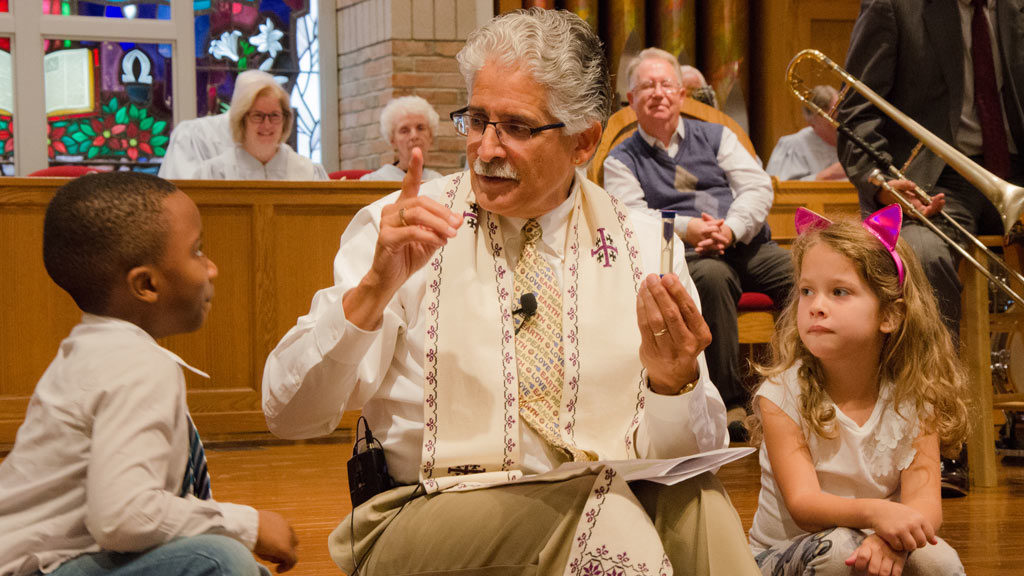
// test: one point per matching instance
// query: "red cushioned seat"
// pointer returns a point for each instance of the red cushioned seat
(67, 171)
(755, 301)
(348, 174)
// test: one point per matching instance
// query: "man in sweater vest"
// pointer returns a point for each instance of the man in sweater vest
(722, 197)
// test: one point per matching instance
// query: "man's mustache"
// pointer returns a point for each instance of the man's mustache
(495, 169)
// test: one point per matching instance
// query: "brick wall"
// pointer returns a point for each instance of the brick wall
(391, 48)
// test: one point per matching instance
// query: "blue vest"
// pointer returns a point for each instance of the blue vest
(705, 189)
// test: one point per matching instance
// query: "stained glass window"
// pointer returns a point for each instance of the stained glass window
(148, 9)
(6, 103)
(107, 103)
(276, 36)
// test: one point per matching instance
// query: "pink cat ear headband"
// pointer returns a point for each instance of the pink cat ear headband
(884, 225)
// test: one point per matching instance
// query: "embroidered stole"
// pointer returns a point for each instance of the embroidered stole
(471, 400)
(472, 421)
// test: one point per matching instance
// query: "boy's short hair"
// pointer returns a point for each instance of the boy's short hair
(100, 226)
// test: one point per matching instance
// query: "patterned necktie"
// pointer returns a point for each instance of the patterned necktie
(986, 95)
(197, 477)
(539, 344)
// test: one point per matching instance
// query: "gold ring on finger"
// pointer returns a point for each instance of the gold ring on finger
(661, 332)
(401, 216)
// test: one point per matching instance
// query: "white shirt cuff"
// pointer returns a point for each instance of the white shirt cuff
(241, 522)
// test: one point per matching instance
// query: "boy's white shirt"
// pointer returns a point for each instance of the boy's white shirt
(99, 460)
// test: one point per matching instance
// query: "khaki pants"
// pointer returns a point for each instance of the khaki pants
(527, 529)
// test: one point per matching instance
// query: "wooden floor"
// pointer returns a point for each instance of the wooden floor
(307, 483)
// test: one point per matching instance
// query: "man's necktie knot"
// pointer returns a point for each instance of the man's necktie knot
(532, 232)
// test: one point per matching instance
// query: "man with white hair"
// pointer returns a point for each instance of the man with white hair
(504, 321)
(722, 198)
(696, 87)
(406, 123)
(810, 154)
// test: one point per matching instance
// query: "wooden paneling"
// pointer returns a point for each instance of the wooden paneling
(314, 231)
(780, 29)
(830, 199)
(274, 245)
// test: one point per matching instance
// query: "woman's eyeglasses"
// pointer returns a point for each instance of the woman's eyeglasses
(275, 118)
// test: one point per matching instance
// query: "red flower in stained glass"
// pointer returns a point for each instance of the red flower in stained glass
(134, 140)
(54, 145)
(105, 130)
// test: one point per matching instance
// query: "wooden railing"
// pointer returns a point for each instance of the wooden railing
(830, 199)
(274, 244)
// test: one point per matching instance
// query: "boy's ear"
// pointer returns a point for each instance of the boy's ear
(141, 284)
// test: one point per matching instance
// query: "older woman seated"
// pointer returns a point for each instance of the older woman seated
(261, 120)
(407, 122)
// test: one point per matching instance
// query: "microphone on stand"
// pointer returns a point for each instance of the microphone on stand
(527, 307)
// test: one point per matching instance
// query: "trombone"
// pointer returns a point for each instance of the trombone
(809, 65)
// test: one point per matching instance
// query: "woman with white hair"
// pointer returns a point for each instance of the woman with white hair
(261, 120)
(407, 122)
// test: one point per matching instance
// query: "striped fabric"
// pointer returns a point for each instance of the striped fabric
(197, 477)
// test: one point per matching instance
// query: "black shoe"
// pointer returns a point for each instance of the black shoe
(955, 482)
(738, 432)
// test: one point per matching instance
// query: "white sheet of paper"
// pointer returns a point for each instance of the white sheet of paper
(668, 471)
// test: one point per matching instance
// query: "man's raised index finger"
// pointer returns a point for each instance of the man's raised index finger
(413, 177)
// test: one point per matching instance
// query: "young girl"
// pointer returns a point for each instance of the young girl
(863, 389)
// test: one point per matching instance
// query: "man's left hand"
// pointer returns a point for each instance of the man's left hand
(672, 333)
(716, 242)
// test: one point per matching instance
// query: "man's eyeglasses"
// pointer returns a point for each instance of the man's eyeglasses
(474, 125)
(650, 86)
(275, 118)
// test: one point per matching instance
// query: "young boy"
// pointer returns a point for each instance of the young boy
(107, 475)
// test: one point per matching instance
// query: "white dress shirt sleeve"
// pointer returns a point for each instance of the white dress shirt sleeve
(325, 365)
(139, 442)
(751, 188)
(694, 422)
(681, 425)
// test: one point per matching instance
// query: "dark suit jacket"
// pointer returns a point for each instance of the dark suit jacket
(911, 53)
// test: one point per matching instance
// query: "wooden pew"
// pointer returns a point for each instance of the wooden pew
(274, 244)
(830, 199)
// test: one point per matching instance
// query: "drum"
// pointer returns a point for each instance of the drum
(1008, 362)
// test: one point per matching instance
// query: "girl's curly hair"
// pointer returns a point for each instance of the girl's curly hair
(918, 357)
